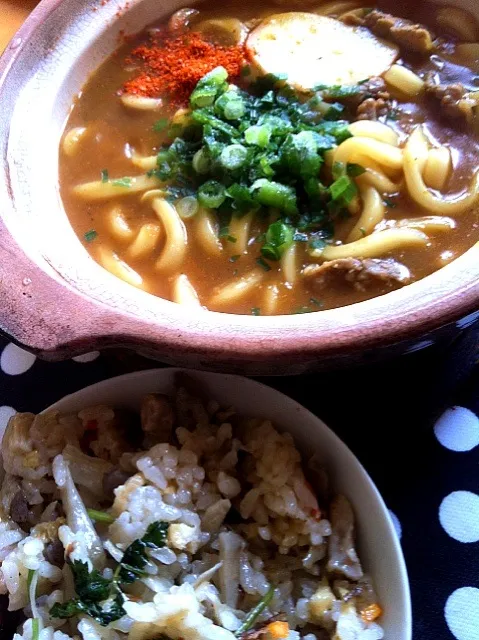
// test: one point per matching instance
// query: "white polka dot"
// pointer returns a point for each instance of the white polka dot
(459, 516)
(462, 613)
(15, 361)
(458, 429)
(87, 357)
(5, 414)
(396, 523)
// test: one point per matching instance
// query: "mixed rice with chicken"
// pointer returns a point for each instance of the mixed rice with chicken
(183, 521)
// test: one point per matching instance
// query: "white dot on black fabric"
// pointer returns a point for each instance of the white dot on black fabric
(15, 361)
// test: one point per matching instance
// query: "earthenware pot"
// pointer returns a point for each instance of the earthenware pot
(56, 301)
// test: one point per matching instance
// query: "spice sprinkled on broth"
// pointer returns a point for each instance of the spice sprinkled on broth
(217, 168)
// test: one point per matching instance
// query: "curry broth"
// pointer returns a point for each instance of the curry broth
(111, 128)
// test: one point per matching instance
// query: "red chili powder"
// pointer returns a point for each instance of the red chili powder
(173, 66)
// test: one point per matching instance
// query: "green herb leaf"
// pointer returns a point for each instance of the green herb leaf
(90, 586)
(122, 182)
(90, 235)
(316, 302)
(101, 598)
(235, 258)
(256, 311)
(104, 175)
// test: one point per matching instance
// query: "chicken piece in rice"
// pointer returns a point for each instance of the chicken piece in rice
(209, 531)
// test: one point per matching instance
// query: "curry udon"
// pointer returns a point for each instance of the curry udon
(253, 160)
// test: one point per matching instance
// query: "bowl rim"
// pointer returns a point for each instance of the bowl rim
(439, 299)
(152, 379)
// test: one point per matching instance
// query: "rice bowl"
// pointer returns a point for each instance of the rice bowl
(233, 541)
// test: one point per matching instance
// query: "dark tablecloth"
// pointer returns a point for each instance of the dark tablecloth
(412, 423)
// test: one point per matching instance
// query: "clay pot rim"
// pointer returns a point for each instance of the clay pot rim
(441, 298)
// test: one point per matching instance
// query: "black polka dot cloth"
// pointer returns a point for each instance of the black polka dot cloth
(413, 424)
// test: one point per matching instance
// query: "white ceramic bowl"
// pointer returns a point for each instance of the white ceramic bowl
(379, 547)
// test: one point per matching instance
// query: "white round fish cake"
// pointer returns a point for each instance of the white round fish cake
(314, 50)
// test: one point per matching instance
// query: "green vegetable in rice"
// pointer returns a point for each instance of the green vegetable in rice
(254, 614)
(102, 598)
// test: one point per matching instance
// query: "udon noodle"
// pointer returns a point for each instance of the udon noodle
(409, 163)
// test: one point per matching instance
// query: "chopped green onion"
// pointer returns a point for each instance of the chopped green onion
(354, 170)
(35, 628)
(230, 105)
(90, 235)
(278, 238)
(211, 194)
(201, 161)
(264, 265)
(31, 574)
(122, 182)
(187, 207)
(160, 124)
(338, 170)
(258, 135)
(208, 88)
(233, 156)
(254, 614)
(100, 516)
(275, 194)
(304, 309)
(235, 258)
(256, 311)
(104, 175)
(343, 189)
(316, 302)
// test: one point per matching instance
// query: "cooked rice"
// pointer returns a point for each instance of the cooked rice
(242, 519)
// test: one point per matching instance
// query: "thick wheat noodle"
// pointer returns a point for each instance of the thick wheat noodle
(147, 163)
(205, 225)
(404, 80)
(375, 130)
(379, 181)
(174, 249)
(337, 7)
(415, 158)
(98, 190)
(288, 264)
(119, 225)
(72, 140)
(145, 242)
(382, 153)
(270, 301)
(437, 168)
(372, 214)
(373, 246)
(240, 228)
(459, 23)
(141, 103)
(115, 265)
(184, 293)
(237, 289)
(228, 31)
(426, 223)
